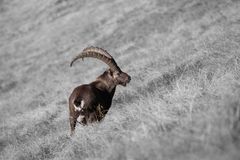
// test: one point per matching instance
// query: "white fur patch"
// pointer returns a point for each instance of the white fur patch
(79, 108)
(82, 104)
(80, 118)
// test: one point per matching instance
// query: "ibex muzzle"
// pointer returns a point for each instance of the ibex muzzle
(90, 102)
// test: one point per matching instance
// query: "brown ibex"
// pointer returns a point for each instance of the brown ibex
(90, 102)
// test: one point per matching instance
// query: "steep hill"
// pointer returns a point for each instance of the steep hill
(182, 103)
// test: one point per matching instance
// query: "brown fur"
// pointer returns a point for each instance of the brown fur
(97, 97)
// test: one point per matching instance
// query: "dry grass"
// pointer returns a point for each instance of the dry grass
(183, 100)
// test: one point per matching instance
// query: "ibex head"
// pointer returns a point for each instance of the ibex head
(121, 78)
(114, 74)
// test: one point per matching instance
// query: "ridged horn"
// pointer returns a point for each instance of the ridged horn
(100, 54)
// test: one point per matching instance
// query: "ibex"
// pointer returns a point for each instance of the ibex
(90, 102)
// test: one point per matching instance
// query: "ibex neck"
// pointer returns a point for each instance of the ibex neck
(105, 86)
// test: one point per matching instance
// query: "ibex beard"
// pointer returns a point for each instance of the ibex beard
(90, 103)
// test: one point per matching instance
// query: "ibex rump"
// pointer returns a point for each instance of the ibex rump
(90, 102)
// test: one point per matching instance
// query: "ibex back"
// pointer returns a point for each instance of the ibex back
(90, 102)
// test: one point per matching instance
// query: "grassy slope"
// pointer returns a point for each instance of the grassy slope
(183, 100)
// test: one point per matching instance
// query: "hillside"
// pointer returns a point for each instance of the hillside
(183, 99)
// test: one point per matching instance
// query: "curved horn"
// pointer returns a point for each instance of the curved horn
(100, 54)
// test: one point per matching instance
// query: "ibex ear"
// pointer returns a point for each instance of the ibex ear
(110, 72)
